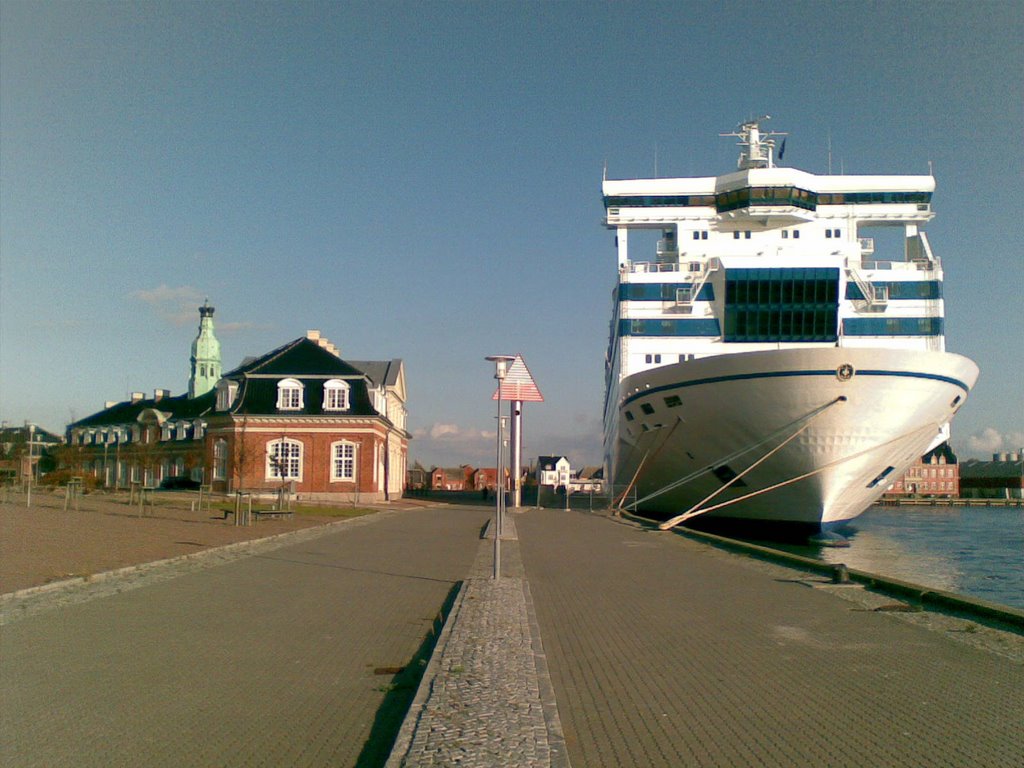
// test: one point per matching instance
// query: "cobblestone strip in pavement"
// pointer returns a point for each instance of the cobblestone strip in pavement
(486, 697)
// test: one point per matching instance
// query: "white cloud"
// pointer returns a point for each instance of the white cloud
(444, 444)
(991, 440)
(178, 306)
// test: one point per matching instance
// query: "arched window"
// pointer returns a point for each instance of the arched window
(284, 460)
(289, 395)
(343, 462)
(336, 395)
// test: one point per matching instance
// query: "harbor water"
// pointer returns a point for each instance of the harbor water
(974, 551)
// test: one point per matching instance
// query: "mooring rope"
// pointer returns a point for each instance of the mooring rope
(679, 518)
(640, 466)
(736, 454)
(694, 513)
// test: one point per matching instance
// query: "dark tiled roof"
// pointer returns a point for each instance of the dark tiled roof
(380, 371)
(549, 462)
(180, 407)
(942, 450)
(297, 358)
(259, 396)
(311, 365)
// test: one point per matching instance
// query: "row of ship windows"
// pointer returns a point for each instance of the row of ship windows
(285, 460)
(851, 326)
(656, 358)
(743, 198)
(671, 401)
(896, 290)
(702, 234)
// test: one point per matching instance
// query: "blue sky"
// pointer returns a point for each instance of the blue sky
(422, 180)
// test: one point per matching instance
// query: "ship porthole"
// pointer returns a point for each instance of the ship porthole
(844, 372)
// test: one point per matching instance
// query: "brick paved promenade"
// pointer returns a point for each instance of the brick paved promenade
(265, 661)
(661, 651)
(665, 652)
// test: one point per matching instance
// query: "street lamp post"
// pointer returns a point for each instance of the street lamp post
(500, 370)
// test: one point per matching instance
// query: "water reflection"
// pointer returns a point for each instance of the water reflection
(977, 551)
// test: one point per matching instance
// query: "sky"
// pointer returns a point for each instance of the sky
(422, 180)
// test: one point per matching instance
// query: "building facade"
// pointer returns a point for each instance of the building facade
(298, 417)
(1000, 478)
(302, 418)
(935, 475)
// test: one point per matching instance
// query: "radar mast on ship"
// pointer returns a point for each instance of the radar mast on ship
(757, 147)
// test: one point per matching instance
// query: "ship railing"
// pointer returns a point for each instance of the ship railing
(876, 297)
(687, 294)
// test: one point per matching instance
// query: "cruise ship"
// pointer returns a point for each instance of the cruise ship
(777, 354)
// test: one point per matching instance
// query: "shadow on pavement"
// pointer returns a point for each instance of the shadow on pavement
(400, 691)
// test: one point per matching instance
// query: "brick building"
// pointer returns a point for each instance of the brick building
(298, 416)
(936, 475)
(303, 418)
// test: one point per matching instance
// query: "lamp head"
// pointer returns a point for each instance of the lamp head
(500, 365)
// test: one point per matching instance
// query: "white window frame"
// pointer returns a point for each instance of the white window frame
(336, 395)
(293, 470)
(343, 476)
(220, 459)
(226, 392)
(290, 395)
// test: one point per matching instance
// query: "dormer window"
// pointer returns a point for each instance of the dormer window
(226, 391)
(289, 395)
(336, 395)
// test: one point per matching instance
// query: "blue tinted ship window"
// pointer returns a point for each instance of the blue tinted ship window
(892, 326)
(903, 289)
(707, 326)
(660, 292)
(781, 304)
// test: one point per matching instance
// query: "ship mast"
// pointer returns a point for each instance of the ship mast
(757, 147)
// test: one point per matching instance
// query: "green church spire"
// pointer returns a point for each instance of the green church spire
(205, 355)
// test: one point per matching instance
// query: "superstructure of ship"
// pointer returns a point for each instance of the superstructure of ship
(766, 366)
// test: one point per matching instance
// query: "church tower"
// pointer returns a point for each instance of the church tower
(205, 355)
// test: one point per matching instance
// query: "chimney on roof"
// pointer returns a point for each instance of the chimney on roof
(160, 394)
(323, 342)
(138, 396)
(109, 404)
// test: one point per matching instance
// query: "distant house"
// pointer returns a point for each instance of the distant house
(487, 477)
(417, 478)
(303, 418)
(936, 474)
(553, 471)
(448, 479)
(588, 480)
(26, 451)
(1000, 478)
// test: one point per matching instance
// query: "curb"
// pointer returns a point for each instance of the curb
(417, 707)
(241, 548)
(1007, 616)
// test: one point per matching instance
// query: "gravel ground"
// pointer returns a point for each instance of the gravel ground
(43, 543)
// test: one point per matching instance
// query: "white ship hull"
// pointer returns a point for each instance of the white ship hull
(849, 436)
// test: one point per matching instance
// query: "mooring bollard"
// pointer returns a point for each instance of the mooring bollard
(840, 574)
